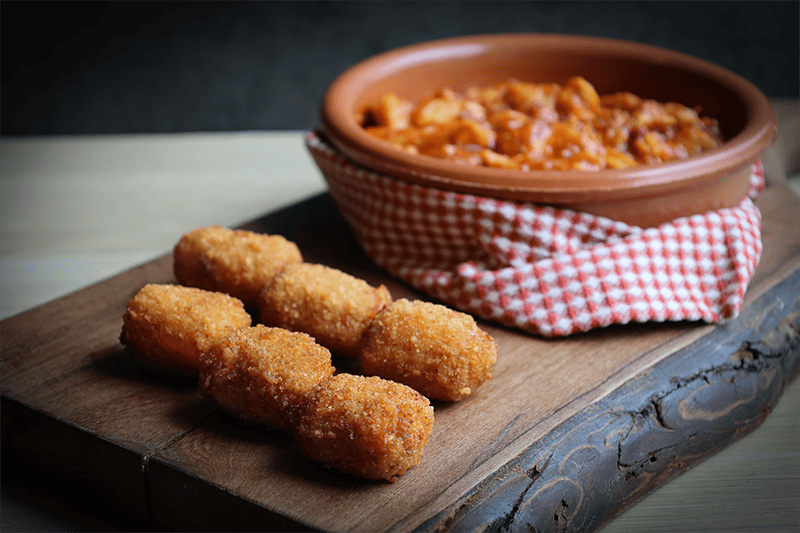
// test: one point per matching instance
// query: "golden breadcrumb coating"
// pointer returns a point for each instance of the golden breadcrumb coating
(236, 262)
(367, 426)
(438, 351)
(262, 374)
(168, 327)
(330, 305)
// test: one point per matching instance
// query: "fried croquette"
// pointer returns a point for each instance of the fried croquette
(367, 426)
(236, 262)
(262, 374)
(330, 305)
(440, 352)
(168, 327)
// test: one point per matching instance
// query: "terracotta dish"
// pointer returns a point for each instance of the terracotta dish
(645, 195)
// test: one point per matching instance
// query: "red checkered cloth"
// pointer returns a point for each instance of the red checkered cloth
(548, 271)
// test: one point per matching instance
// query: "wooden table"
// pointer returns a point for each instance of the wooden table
(539, 444)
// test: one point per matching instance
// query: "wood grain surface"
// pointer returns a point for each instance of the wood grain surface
(567, 434)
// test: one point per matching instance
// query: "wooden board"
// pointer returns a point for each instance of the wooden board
(566, 435)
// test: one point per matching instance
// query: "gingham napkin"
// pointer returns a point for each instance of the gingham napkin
(548, 271)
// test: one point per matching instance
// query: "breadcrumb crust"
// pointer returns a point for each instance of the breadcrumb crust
(236, 262)
(367, 426)
(262, 374)
(168, 327)
(330, 305)
(440, 352)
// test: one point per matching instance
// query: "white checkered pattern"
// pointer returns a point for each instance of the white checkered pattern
(548, 271)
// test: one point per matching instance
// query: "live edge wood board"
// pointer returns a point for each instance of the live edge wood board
(567, 434)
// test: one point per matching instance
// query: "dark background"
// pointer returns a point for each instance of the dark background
(144, 67)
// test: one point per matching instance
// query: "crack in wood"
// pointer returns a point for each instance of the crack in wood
(652, 456)
(533, 473)
(658, 415)
(560, 516)
(511, 516)
(148, 455)
(750, 357)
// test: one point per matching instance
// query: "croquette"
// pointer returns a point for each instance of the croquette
(367, 426)
(330, 305)
(262, 374)
(440, 352)
(236, 262)
(168, 327)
